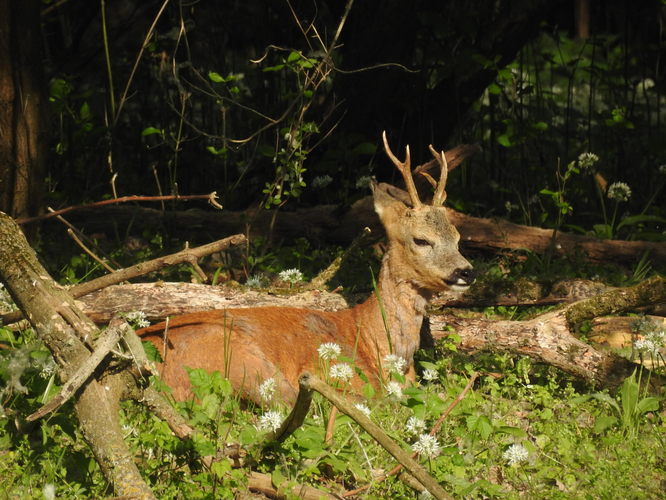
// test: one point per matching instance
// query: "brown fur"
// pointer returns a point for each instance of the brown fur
(264, 342)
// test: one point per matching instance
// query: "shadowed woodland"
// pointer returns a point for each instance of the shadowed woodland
(220, 154)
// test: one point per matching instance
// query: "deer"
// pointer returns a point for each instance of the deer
(251, 345)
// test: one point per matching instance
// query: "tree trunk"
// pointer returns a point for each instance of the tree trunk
(22, 108)
(69, 335)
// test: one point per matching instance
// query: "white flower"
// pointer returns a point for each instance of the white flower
(393, 389)
(329, 350)
(137, 319)
(662, 169)
(270, 421)
(619, 191)
(267, 389)
(515, 454)
(321, 181)
(363, 409)
(48, 368)
(291, 275)
(395, 363)
(427, 446)
(341, 371)
(49, 491)
(429, 374)
(587, 160)
(256, 281)
(646, 345)
(415, 425)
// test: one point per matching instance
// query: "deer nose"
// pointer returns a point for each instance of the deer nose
(463, 276)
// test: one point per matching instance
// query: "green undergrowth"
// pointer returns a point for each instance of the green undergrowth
(524, 431)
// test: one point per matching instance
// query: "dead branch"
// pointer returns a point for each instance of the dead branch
(211, 197)
(186, 255)
(308, 382)
(433, 431)
(68, 334)
(103, 346)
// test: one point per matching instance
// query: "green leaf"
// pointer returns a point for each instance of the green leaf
(215, 77)
(604, 422)
(494, 89)
(504, 140)
(541, 126)
(293, 56)
(637, 219)
(480, 424)
(151, 351)
(220, 468)
(150, 131)
(647, 404)
(277, 67)
(512, 431)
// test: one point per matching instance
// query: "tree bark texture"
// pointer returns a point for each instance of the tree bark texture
(324, 223)
(22, 108)
(69, 335)
(547, 338)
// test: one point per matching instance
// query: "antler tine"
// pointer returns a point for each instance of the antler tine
(440, 195)
(405, 170)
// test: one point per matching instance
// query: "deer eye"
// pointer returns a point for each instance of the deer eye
(422, 243)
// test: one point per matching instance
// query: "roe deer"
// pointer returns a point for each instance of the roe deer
(251, 345)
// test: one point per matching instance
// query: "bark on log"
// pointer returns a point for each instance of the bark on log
(68, 334)
(546, 338)
(326, 223)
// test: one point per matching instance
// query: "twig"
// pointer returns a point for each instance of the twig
(310, 382)
(434, 430)
(295, 418)
(323, 277)
(211, 197)
(105, 343)
(99, 260)
(140, 269)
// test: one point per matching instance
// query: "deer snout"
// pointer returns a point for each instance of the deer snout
(461, 278)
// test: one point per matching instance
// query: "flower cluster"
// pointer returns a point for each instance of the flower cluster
(267, 389)
(137, 319)
(427, 446)
(653, 337)
(257, 281)
(586, 161)
(415, 425)
(619, 191)
(270, 421)
(291, 275)
(516, 454)
(329, 350)
(341, 371)
(394, 390)
(363, 409)
(395, 363)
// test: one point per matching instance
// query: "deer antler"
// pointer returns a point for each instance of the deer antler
(440, 195)
(405, 170)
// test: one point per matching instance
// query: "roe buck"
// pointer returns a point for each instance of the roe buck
(251, 345)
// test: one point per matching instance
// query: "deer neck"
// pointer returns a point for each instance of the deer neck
(403, 305)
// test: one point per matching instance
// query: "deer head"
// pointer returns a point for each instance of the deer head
(423, 244)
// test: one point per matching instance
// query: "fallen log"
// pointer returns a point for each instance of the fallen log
(548, 338)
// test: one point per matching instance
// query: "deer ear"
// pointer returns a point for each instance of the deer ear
(388, 198)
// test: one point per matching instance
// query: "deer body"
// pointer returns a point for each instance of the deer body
(251, 345)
